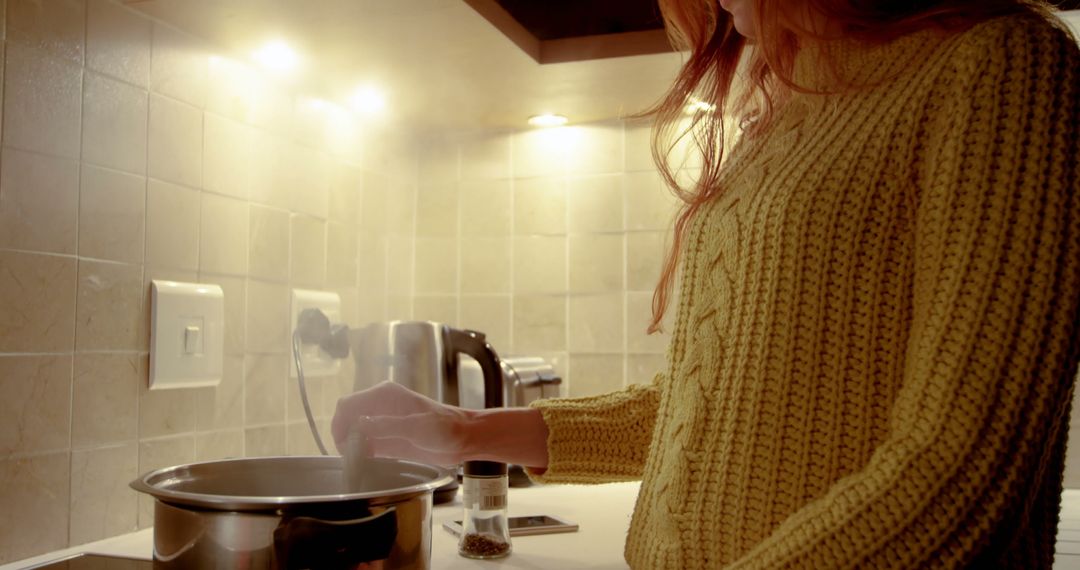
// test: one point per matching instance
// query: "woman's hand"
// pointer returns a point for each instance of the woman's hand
(402, 424)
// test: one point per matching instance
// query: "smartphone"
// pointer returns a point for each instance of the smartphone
(522, 526)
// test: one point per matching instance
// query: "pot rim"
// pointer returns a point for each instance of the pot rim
(150, 482)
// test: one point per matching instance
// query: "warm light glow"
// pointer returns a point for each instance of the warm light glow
(277, 57)
(564, 148)
(367, 100)
(699, 106)
(314, 105)
(343, 135)
(547, 120)
(239, 86)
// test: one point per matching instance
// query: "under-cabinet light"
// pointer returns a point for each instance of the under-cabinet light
(547, 120)
(277, 56)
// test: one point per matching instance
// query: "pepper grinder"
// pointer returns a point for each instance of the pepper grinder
(485, 532)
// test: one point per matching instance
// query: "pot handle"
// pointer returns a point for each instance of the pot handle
(307, 542)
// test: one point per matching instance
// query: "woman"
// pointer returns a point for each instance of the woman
(876, 336)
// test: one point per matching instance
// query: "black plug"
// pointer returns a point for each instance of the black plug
(336, 344)
(313, 326)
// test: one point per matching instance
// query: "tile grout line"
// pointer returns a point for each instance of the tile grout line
(564, 183)
(147, 295)
(459, 236)
(625, 259)
(78, 274)
(512, 182)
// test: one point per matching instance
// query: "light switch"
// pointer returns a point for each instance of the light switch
(187, 334)
(192, 340)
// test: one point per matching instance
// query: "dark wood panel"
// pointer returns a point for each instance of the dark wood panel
(559, 19)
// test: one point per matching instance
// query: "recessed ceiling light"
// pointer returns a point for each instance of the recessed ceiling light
(547, 120)
(367, 100)
(277, 57)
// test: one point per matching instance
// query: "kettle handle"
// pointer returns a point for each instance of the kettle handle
(474, 344)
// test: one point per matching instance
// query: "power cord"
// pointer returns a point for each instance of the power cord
(303, 391)
(313, 327)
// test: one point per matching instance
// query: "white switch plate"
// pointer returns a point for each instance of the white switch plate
(187, 334)
(316, 362)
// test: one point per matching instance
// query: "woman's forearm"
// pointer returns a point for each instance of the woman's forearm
(507, 435)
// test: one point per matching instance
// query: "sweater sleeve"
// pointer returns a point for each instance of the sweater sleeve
(992, 347)
(599, 439)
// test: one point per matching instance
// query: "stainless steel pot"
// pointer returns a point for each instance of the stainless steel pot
(292, 512)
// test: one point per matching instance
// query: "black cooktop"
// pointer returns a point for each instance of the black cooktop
(97, 562)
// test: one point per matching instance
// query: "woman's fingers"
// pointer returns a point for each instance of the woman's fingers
(436, 433)
(383, 399)
(416, 438)
(426, 430)
(386, 399)
(397, 448)
(339, 426)
(400, 423)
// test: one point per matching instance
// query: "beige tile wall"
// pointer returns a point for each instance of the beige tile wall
(550, 241)
(132, 151)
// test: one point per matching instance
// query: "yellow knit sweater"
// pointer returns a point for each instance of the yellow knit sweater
(877, 335)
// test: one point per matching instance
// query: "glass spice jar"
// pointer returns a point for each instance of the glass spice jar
(485, 532)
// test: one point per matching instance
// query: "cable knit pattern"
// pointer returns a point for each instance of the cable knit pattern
(877, 336)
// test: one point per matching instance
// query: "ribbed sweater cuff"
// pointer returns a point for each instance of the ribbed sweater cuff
(598, 439)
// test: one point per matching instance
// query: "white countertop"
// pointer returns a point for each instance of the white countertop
(601, 511)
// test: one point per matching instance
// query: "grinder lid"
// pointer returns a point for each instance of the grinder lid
(484, 469)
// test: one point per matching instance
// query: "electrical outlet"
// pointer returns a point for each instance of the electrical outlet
(316, 362)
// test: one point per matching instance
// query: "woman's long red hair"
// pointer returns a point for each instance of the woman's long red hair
(715, 48)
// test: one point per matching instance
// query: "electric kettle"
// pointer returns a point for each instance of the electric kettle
(423, 356)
